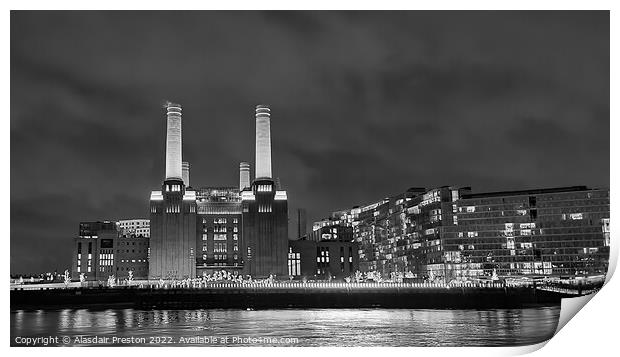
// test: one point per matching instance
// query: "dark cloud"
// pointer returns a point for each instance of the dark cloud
(364, 105)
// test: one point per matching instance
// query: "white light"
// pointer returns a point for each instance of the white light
(280, 195)
(156, 196)
(189, 196)
(247, 196)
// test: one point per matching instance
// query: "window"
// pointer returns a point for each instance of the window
(576, 216)
(294, 263)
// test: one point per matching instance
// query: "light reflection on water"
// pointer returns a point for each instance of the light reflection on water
(312, 327)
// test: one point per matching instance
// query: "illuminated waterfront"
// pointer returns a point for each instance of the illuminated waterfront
(290, 327)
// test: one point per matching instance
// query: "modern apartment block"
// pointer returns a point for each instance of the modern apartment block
(448, 233)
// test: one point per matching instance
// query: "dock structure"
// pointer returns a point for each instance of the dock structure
(297, 295)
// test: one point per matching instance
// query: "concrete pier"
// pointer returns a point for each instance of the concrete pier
(289, 296)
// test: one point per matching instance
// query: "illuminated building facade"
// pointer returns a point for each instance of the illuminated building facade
(173, 213)
(219, 230)
(136, 227)
(448, 233)
(560, 232)
(265, 211)
(93, 250)
(337, 232)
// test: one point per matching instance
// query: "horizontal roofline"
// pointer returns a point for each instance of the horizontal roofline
(539, 191)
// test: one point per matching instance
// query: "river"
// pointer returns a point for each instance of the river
(285, 327)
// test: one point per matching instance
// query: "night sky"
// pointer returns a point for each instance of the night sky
(364, 105)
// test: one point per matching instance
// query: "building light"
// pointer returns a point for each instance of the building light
(157, 196)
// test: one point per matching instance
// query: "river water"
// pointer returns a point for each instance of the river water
(286, 327)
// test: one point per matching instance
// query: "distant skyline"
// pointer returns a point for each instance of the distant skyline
(364, 105)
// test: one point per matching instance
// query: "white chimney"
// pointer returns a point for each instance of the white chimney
(263, 142)
(173, 142)
(185, 170)
(244, 175)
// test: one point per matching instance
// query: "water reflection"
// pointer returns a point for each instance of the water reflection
(313, 327)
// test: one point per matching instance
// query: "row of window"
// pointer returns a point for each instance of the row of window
(173, 188)
(264, 208)
(263, 188)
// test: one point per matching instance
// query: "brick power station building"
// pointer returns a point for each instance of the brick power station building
(241, 230)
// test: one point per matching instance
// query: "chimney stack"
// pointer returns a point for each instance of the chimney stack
(185, 170)
(173, 142)
(263, 142)
(244, 175)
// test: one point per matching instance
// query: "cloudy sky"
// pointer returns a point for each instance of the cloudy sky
(364, 105)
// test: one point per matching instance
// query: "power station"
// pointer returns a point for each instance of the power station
(242, 230)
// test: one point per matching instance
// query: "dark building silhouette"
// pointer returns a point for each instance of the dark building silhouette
(131, 255)
(106, 248)
(302, 223)
(322, 259)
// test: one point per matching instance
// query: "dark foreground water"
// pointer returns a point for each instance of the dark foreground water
(312, 327)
